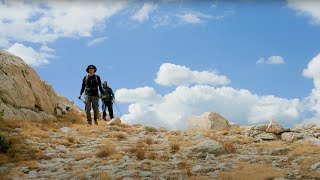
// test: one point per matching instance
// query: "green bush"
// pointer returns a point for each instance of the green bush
(4, 144)
(1, 114)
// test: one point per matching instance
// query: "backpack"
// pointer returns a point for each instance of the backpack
(87, 77)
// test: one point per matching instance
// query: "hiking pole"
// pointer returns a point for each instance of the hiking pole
(118, 110)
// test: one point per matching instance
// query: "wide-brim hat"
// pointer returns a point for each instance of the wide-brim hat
(93, 66)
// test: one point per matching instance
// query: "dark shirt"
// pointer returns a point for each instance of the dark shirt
(108, 94)
(91, 85)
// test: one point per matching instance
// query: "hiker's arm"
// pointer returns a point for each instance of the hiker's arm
(99, 85)
(83, 86)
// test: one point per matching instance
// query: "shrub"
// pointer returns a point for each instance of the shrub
(175, 147)
(4, 144)
(106, 151)
(1, 114)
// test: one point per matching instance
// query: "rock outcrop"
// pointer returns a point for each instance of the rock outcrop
(24, 96)
(208, 120)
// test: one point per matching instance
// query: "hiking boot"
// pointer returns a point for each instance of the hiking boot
(105, 119)
(89, 123)
(96, 122)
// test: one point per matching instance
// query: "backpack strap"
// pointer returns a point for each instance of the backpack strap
(87, 77)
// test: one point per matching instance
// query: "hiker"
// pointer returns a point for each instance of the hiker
(90, 85)
(107, 100)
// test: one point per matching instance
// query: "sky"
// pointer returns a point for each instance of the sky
(168, 60)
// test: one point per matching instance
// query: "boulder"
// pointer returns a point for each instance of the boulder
(274, 127)
(208, 147)
(208, 121)
(290, 136)
(266, 136)
(24, 96)
(114, 121)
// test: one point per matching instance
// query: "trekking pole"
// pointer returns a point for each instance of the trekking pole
(119, 110)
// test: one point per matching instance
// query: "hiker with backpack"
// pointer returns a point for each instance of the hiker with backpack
(107, 100)
(90, 85)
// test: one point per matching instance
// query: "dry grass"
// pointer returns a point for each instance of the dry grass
(305, 165)
(246, 140)
(152, 155)
(3, 158)
(224, 132)
(120, 136)
(183, 165)
(106, 151)
(116, 156)
(31, 164)
(269, 145)
(175, 147)
(299, 148)
(138, 150)
(149, 141)
(229, 146)
(252, 171)
(83, 156)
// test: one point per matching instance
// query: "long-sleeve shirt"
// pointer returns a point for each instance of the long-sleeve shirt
(90, 85)
(107, 94)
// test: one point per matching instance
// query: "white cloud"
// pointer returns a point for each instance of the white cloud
(96, 41)
(275, 60)
(193, 17)
(239, 106)
(143, 13)
(31, 56)
(313, 100)
(43, 22)
(39, 23)
(261, 61)
(271, 60)
(144, 94)
(173, 109)
(176, 75)
(307, 8)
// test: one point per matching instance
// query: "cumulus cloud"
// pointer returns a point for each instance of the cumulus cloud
(173, 109)
(176, 75)
(308, 8)
(144, 94)
(313, 100)
(44, 22)
(240, 106)
(143, 13)
(31, 56)
(96, 41)
(271, 60)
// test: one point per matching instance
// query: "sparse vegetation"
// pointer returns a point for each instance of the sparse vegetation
(106, 151)
(120, 136)
(149, 141)
(252, 171)
(229, 146)
(4, 144)
(175, 147)
(138, 150)
(1, 114)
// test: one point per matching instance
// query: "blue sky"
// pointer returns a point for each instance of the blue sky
(260, 48)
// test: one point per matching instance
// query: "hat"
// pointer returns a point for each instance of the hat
(104, 82)
(91, 66)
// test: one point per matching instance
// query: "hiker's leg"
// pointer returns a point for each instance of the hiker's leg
(110, 109)
(95, 106)
(88, 109)
(104, 106)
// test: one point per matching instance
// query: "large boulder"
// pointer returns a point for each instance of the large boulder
(208, 147)
(274, 127)
(209, 120)
(24, 96)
